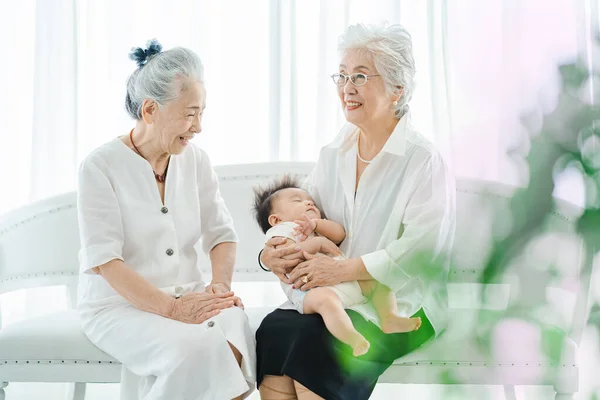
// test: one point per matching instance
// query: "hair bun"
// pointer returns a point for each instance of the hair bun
(142, 56)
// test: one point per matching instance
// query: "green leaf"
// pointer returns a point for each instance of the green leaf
(552, 344)
(588, 226)
(573, 75)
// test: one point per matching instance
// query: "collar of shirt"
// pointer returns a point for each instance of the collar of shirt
(345, 143)
(396, 143)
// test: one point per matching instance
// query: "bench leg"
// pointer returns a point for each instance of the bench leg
(2, 386)
(509, 392)
(76, 391)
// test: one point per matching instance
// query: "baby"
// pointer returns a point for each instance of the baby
(283, 209)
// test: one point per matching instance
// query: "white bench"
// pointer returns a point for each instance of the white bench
(39, 245)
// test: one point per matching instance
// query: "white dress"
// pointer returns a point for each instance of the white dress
(121, 216)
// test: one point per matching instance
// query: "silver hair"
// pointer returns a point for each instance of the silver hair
(157, 78)
(390, 49)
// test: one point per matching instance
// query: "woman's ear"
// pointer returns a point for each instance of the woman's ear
(149, 111)
(398, 93)
(274, 219)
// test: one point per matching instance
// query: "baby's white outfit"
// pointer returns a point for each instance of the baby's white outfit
(349, 292)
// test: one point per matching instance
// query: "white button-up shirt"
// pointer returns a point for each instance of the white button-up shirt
(121, 216)
(404, 204)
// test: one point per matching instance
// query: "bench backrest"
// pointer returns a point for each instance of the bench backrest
(39, 242)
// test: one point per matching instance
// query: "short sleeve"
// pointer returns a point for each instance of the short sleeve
(284, 229)
(215, 220)
(99, 217)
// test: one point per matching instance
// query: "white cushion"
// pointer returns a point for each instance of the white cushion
(54, 337)
(58, 336)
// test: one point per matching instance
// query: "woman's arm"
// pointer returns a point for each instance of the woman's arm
(222, 260)
(135, 289)
(193, 308)
(217, 234)
(423, 248)
(428, 230)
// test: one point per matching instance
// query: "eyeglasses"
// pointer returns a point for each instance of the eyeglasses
(357, 79)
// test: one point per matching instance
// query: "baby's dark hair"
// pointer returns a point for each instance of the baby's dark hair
(264, 196)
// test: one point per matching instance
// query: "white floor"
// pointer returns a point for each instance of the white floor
(382, 392)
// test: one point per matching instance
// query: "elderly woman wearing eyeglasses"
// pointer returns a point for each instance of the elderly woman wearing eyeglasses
(391, 190)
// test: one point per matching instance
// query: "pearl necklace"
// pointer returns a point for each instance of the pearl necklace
(358, 151)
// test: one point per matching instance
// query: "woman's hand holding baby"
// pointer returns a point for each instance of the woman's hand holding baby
(317, 271)
(281, 258)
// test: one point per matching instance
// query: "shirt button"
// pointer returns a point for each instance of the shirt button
(211, 324)
(169, 252)
(164, 210)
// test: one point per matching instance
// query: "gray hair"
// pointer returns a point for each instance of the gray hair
(157, 78)
(390, 49)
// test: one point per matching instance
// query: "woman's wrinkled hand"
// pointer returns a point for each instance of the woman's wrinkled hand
(195, 308)
(318, 270)
(217, 287)
(222, 287)
(281, 260)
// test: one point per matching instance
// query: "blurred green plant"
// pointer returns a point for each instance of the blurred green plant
(569, 137)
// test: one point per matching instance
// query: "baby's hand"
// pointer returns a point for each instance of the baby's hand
(305, 227)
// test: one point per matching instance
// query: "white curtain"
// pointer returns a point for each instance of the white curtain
(480, 66)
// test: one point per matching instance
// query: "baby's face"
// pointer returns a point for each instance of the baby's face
(289, 205)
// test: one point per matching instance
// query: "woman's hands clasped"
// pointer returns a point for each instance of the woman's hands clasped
(221, 287)
(195, 308)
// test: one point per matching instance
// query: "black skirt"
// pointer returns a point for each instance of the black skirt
(299, 346)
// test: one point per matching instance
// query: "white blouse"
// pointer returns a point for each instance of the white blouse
(121, 216)
(404, 204)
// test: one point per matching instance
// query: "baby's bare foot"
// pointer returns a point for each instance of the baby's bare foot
(361, 347)
(395, 324)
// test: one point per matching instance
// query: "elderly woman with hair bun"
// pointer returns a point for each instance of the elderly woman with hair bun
(391, 190)
(145, 200)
